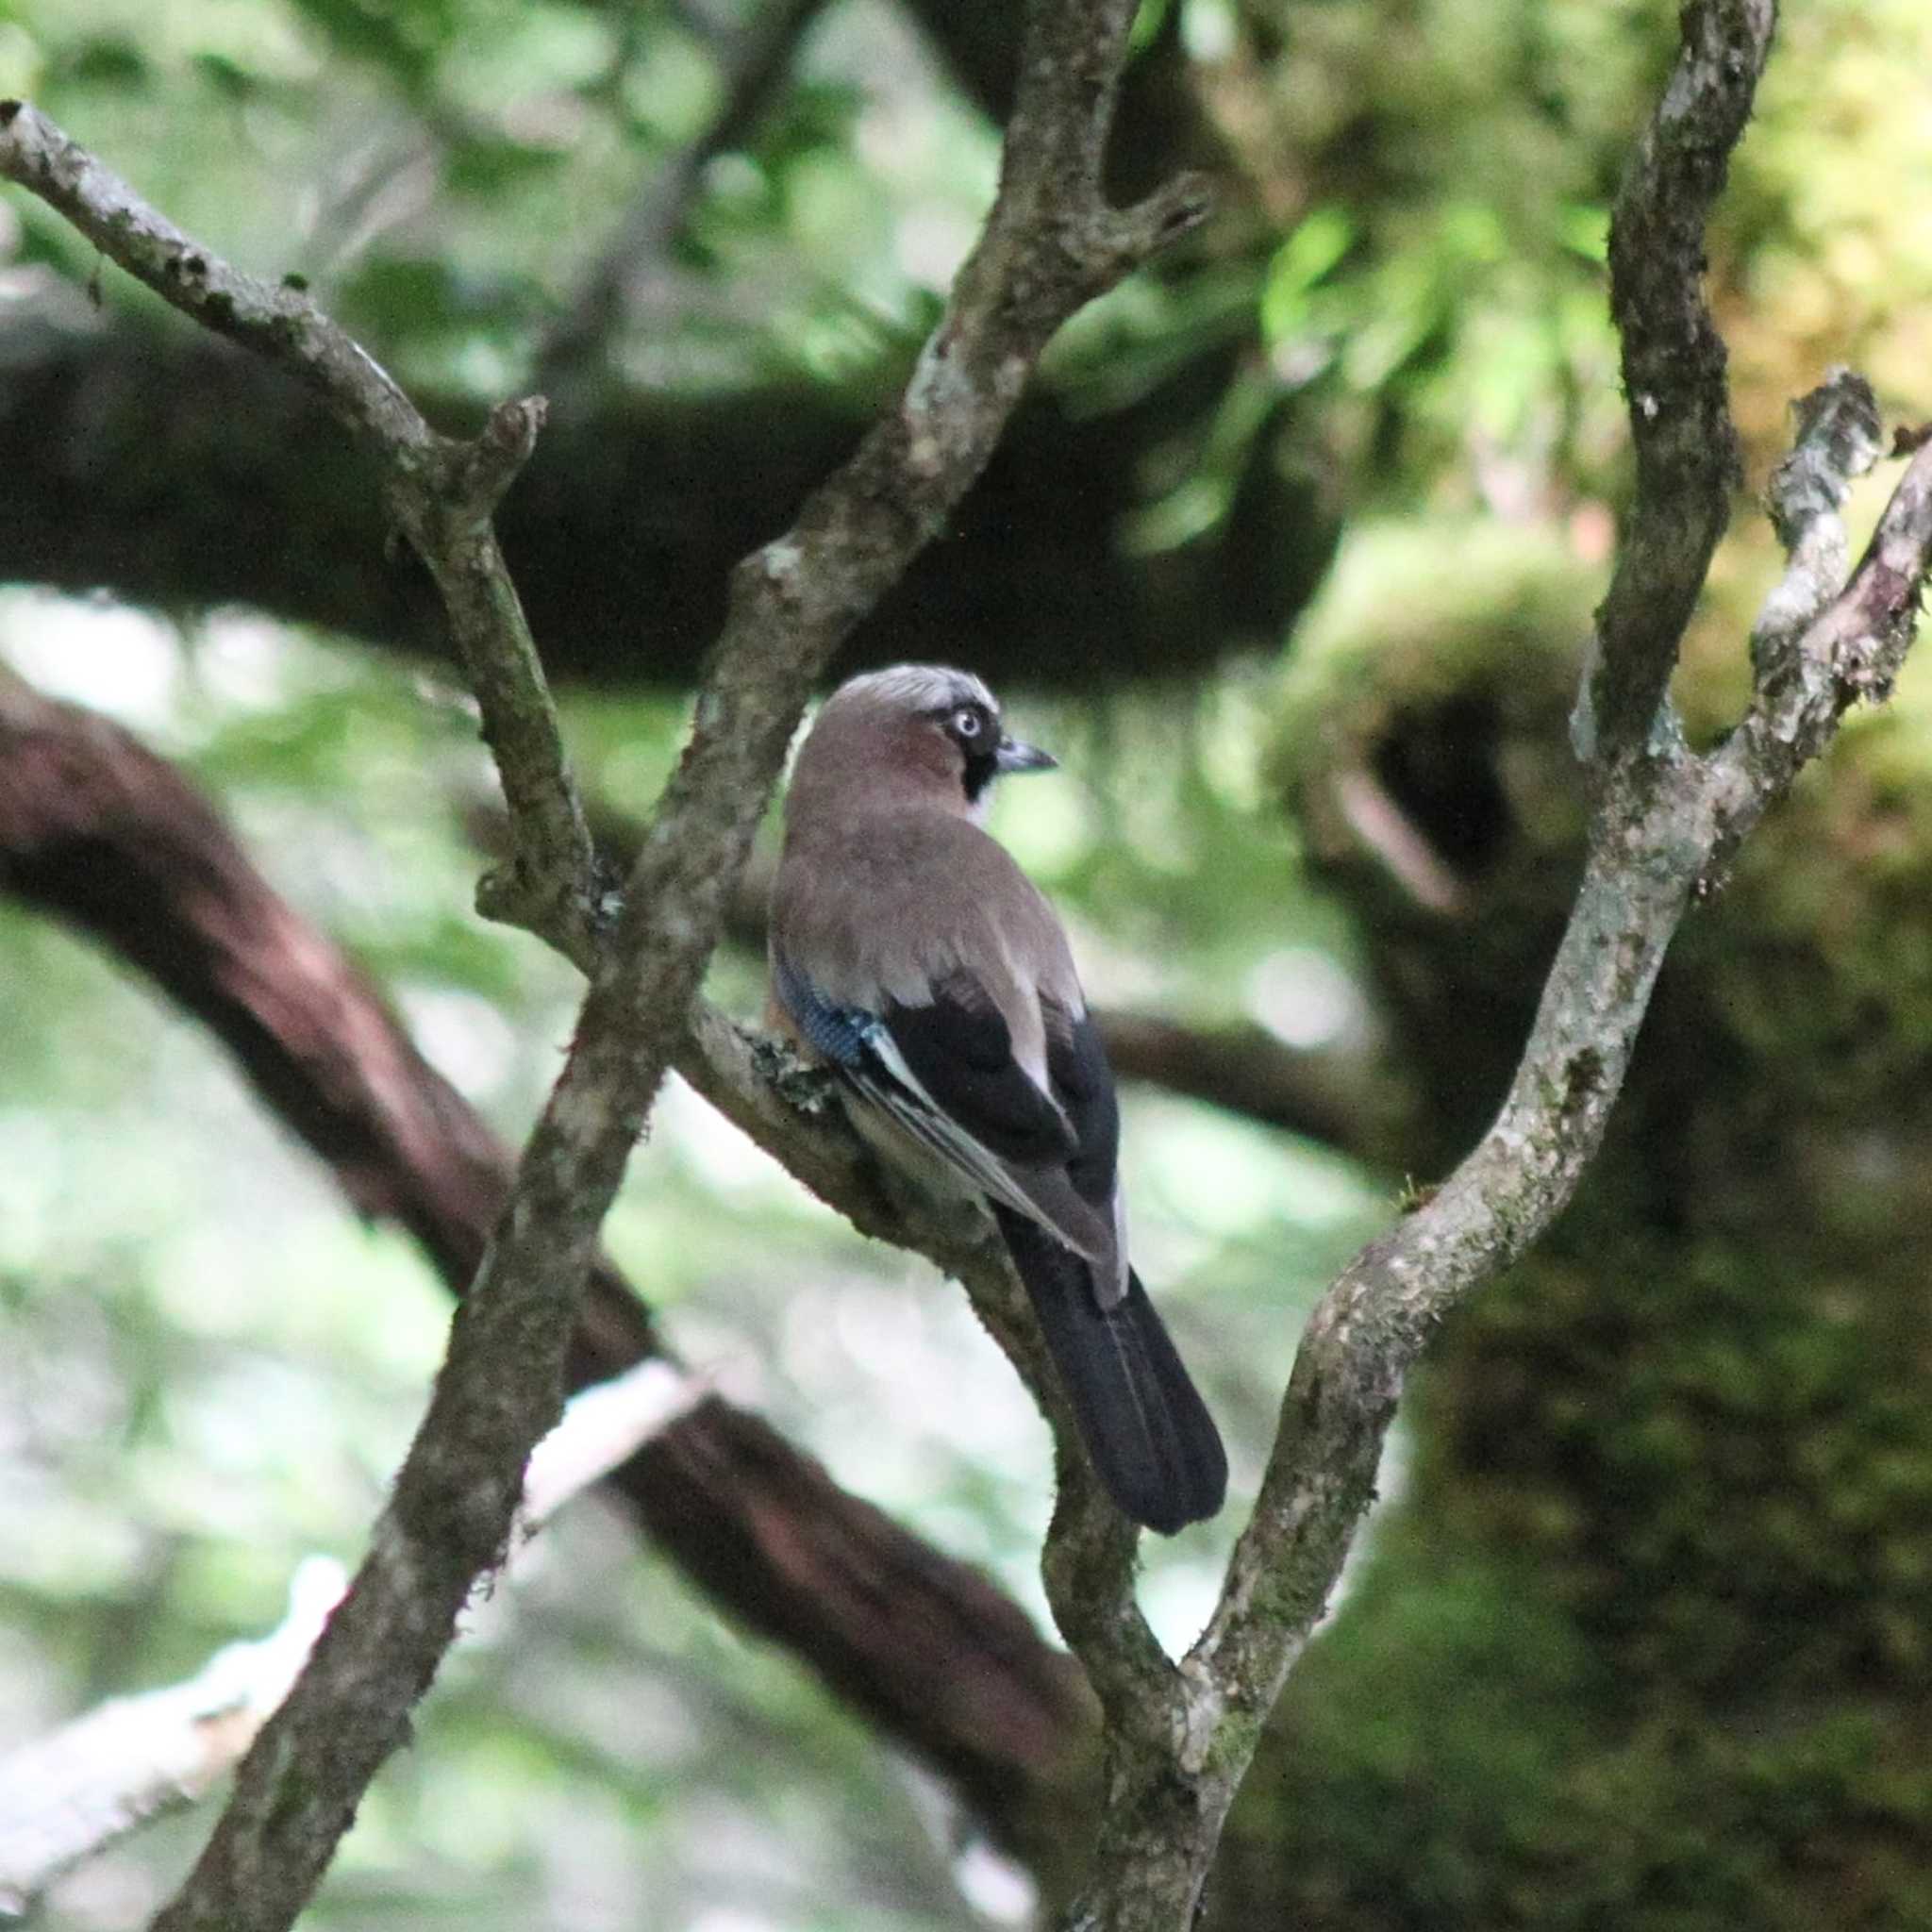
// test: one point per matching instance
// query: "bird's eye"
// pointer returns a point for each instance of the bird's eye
(967, 723)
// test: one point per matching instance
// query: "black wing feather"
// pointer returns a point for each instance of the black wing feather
(961, 1050)
(1083, 1084)
(1150, 1435)
(986, 1121)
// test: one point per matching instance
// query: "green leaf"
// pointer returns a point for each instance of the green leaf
(1314, 248)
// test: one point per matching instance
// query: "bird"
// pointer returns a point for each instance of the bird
(910, 953)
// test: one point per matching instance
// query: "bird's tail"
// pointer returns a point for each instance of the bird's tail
(1144, 1422)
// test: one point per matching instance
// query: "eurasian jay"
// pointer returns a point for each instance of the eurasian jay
(911, 953)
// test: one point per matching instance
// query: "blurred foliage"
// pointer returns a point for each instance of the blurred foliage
(211, 1369)
(207, 1371)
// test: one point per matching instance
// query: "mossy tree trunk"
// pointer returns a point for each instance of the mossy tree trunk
(1648, 1638)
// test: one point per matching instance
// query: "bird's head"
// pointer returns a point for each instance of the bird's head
(923, 731)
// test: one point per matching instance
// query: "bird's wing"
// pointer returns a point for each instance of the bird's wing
(1082, 1082)
(944, 1072)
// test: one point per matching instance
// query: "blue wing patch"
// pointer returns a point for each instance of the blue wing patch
(841, 1033)
(865, 1049)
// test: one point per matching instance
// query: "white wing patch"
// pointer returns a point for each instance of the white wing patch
(909, 1104)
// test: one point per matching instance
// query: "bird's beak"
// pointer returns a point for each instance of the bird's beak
(1014, 756)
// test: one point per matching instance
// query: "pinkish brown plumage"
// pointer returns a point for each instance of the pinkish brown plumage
(912, 954)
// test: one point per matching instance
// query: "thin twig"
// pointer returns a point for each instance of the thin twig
(1856, 637)
(753, 65)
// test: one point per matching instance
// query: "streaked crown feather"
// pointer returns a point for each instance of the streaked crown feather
(918, 688)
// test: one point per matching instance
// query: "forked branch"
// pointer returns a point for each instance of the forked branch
(1050, 244)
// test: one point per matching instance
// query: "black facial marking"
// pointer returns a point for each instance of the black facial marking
(976, 731)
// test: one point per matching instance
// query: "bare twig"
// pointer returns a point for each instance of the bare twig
(754, 63)
(1819, 648)
(1050, 244)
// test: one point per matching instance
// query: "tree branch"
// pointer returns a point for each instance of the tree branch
(1050, 244)
(1688, 466)
(99, 832)
(441, 492)
(1816, 654)
(1662, 817)
(65, 1798)
(171, 470)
